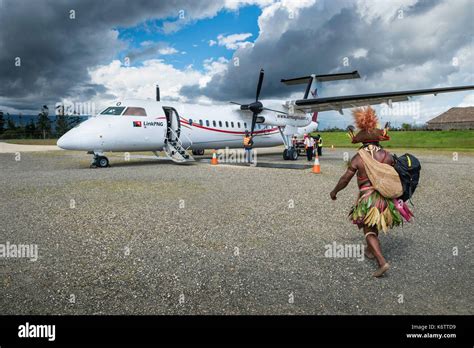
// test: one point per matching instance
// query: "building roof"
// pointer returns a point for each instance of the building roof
(455, 115)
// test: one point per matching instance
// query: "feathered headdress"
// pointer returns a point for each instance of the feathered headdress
(367, 122)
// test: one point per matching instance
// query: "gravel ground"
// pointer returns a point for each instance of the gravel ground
(152, 237)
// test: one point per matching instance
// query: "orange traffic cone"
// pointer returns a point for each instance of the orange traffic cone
(214, 160)
(316, 166)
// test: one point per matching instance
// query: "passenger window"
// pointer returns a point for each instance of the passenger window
(207, 123)
(190, 122)
(238, 124)
(245, 125)
(232, 124)
(226, 124)
(200, 122)
(133, 111)
(214, 123)
(220, 124)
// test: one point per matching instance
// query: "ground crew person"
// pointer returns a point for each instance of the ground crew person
(309, 146)
(319, 145)
(294, 141)
(248, 143)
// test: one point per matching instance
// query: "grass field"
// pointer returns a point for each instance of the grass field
(31, 141)
(447, 140)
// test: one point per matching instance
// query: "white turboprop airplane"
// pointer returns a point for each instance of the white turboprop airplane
(146, 125)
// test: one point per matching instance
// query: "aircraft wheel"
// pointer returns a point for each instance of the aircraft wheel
(285, 155)
(293, 154)
(102, 162)
(198, 152)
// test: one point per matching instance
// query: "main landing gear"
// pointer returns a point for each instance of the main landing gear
(198, 152)
(290, 154)
(100, 161)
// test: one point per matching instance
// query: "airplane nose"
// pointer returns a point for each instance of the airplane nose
(64, 142)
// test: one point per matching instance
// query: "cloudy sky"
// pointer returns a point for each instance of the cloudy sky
(90, 51)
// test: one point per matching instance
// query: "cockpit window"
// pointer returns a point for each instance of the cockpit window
(134, 111)
(113, 110)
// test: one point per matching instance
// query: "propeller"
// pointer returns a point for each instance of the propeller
(256, 107)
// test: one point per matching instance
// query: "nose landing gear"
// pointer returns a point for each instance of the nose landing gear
(99, 161)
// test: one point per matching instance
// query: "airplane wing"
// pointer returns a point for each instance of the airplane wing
(350, 101)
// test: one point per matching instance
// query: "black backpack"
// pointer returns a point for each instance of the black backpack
(408, 168)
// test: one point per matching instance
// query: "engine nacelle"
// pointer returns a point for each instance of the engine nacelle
(296, 119)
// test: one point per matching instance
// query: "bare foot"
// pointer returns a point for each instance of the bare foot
(382, 269)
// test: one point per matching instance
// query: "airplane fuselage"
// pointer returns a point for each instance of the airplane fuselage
(197, 126)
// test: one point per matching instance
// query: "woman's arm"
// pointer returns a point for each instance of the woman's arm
(345, 178)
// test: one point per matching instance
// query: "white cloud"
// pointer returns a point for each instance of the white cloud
(235, 4)
(211, 9)
(139, 82)
(167, 51)
(360, 53)
(212, 43)
(213, 67)
(385, 10)
(147, 43)
(467, 101)
(233, 41)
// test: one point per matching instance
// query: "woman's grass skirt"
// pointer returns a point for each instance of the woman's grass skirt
(373, 209)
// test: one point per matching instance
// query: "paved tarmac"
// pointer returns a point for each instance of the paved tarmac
(153, 237)
(13, 148)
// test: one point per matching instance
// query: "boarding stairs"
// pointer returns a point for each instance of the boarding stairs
(175, 150)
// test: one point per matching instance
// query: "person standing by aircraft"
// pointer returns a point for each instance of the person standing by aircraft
(373, 210)
(294, 141)
(309, 146)
(248, 143)
(319, 145)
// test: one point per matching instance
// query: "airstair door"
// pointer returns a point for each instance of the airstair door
(173, 146)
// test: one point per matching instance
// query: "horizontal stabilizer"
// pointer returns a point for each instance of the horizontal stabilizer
(296, 81)
(322, 78)
(335, 77)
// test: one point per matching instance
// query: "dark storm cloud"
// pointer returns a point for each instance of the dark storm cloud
(152, 50)
(56, 51)
(336, 33)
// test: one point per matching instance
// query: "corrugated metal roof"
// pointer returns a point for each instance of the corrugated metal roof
(455, 115)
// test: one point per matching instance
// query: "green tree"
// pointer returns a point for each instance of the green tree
(2, 122)
(44, 124)
(10, 123)
(62, 125)
(30, 129)
(406, 126)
